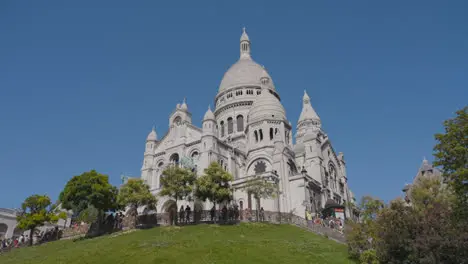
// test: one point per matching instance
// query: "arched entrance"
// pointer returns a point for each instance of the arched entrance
(17, 232)
(170, 208)
(3, 230)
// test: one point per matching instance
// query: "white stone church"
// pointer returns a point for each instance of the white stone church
(249, 134)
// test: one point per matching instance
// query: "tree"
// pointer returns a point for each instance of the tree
(177, 183)
(214, 185)
(451, 153)
(260, 189)
(362, 236)
(89, 189)
(136, 193)
(36, 211)
(395, 228)
(89, 215)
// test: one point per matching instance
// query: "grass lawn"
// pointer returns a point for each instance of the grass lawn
(242, 244)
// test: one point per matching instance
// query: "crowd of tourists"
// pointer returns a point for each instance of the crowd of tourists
(330, 221)
(50, 234)
(226, 213)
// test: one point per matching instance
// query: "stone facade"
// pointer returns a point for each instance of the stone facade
(249, 135)
(8, 224)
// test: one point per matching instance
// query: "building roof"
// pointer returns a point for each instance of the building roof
(184, 106)
(307, 113)
(152, 136)
(244, 36)
(209, 114)
(245, 72)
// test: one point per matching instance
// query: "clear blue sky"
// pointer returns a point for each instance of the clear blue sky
(83, 82)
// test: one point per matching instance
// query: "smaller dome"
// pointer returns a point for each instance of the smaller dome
(266, 106)
(209, 115)
(152, 136)
(184, 105)
(244, 36)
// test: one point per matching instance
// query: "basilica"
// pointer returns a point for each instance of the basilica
(248, 134)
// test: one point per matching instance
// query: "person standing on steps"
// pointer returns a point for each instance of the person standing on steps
(187, 214)
(212, 213)
(181, 214)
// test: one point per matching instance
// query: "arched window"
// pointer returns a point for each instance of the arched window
(160, 167)
(177, 120)
(174, 159)
(276, 131)
(256, 136)
(222, 128)
(240, 123)
(261, 134)
(230, 125)
(332, 170)
(271, 133)
(195, 155)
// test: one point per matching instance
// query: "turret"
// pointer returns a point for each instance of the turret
(244, 45)
(147, 168)
(209, 123)
(208, 139)
(309, 122)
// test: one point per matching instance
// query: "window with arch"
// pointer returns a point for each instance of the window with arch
(240, 123)
(271, 133)
(177, 120)
(256, 136)
(332, 171)
(230, 125)
(276, 131)
(260, 167)
(259, 92)
(260, 132)
(160, 171)
(194, 155)
(292, 169)
(222, 128)
(174, 159)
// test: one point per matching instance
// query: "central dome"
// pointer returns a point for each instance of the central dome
(245, 72)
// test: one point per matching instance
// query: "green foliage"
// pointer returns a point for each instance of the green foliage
(395, 228)
(261, 188)
(89, 215)
(369, 257)
(36, 211)
(214, 185)
(370, 207)
(136, 193)
(177, 182)
(421, 233)
(451, 153)
(89, 188)
(427, 192)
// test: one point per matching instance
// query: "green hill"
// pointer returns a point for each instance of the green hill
(242, 244)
